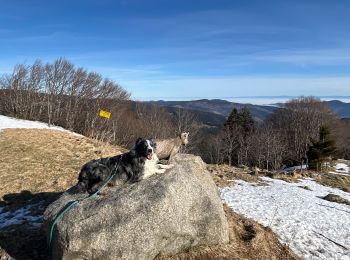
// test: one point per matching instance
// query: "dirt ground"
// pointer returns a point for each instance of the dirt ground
(225, 175)
(37, 165)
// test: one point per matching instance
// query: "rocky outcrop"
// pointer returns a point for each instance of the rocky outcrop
(164, 214)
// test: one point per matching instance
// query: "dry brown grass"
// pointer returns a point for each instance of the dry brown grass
(225, 175)
(291, 178)
(248, 240)
(42, 160)
(327, 179)
(334, 180)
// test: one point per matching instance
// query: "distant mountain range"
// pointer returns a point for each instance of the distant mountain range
(213, 112)
(340, 108)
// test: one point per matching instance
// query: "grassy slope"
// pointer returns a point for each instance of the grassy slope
(41, 160)
(38, 164)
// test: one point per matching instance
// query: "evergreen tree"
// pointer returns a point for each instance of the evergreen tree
(233, 119)
(322, 149)
(241, 119)
(238, 128)
(247, 121)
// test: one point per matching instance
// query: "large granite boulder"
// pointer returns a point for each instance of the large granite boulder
(164, 214)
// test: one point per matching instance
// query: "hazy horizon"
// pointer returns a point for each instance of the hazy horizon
(255, 100)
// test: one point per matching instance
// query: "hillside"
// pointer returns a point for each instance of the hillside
(38, 164)
(214, 112)
(340, 108)
(206, 118)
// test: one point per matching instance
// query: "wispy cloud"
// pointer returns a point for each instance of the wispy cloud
(125, 73)
(214, 25)
(310, 56)
(35, 37)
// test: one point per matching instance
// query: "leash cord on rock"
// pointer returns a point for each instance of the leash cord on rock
(73, 203)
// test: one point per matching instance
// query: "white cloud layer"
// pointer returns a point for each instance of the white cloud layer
(238, 86)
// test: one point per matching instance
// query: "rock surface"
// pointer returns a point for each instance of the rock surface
(164, 214)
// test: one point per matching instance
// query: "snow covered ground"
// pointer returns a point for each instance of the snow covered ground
(304, 221)
(342, 168)
(10, 122)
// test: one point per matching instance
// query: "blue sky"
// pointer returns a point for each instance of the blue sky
(182, 49)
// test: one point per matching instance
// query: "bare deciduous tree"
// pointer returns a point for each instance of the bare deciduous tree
(185, 121)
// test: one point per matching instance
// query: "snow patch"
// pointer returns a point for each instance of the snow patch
(342, 168)
(300, 217)
(10, 122)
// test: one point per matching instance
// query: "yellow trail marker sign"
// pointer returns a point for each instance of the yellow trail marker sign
(105, 114)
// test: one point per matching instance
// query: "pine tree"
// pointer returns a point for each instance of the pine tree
(233, 119)
(241, 119)
(238, 127)
(322, 149)
(247, 121)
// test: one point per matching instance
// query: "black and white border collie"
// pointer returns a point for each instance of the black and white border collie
(128, 167)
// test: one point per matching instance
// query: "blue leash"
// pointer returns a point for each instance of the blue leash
(73, 203)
